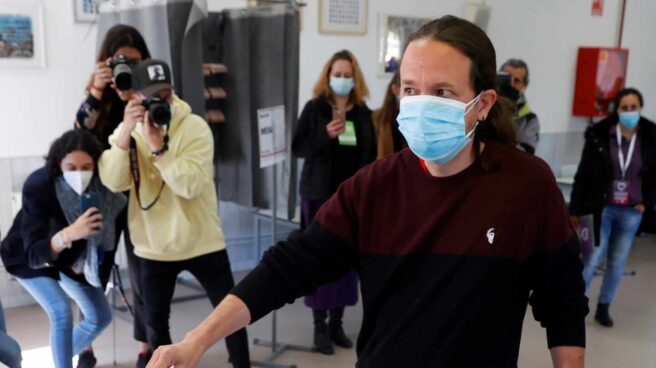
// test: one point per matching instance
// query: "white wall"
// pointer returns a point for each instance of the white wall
(639, 31)
(546, 34)
(39, 104)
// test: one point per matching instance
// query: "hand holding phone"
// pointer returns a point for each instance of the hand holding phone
(89, 200)
(90, 221)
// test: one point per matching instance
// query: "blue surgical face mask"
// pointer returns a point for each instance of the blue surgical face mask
(629, 119)
(434, 127)
(341, 86)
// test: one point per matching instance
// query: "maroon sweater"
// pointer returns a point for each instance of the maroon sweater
(447, 265)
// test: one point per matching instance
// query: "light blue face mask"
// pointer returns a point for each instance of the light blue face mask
(434, 127)
(341, 86)
(629, 119)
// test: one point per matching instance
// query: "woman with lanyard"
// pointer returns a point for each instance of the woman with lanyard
(615, 182)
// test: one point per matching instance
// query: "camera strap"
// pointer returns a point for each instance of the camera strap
(136, 176)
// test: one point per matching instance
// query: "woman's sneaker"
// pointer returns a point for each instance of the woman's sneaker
(86, 360)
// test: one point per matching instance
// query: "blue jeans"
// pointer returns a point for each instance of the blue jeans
(618, 228)
(10, 352)
(52, 295)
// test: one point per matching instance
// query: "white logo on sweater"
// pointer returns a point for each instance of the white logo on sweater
(490, 235)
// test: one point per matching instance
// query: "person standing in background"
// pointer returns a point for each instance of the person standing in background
(526, 121)
(100, 113)
(616, 182)
(336, 138)
(388, 137)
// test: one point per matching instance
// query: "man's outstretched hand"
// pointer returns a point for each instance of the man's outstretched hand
(180, 355)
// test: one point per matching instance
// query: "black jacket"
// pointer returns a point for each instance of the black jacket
(594, 176)
(26, 248)
(311, 142)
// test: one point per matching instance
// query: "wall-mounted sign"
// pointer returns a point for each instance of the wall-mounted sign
(597, 7)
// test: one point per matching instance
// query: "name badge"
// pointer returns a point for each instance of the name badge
(621, 192)
(348, 138)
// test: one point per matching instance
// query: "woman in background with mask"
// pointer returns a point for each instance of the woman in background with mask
(615, 182)
(336, 138)
(388, 136)
(55, 245)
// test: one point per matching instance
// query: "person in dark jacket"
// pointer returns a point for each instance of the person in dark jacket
(336, 137)
(615, 182)
(101, 113)
(55, 250)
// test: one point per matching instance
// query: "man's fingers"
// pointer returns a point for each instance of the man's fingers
(163, 358)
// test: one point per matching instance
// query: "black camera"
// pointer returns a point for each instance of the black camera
(504, 84)
(159, 110)
(122, 72)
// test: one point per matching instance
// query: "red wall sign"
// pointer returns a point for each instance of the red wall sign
(597, 7)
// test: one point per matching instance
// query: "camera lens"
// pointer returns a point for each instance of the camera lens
(159, 110)
(122, 74)
(160, 113)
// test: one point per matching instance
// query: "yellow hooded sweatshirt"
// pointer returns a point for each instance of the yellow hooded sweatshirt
(183, 223)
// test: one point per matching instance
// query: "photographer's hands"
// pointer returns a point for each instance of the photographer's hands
(153, 134)
(102, 76)
(134, 113)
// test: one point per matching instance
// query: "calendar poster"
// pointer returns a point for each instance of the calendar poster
(343, 16)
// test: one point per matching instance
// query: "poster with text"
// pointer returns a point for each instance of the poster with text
(271, 126)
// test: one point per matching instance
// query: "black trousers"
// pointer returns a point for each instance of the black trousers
(158, 280)
(134, 267)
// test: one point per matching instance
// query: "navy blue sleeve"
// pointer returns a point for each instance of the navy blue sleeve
(35, 225)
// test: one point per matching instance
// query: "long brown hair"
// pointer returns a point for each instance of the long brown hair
(118, 36)
(360, 91)
(474, 43)
(390, 109)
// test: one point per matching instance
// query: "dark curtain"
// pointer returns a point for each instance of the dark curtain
(260, 47)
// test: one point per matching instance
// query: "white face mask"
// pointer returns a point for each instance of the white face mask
(78, 180)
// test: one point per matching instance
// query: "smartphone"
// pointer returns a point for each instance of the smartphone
(89, 200)
(339, 114)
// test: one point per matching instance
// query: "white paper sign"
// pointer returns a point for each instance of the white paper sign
(273, 146)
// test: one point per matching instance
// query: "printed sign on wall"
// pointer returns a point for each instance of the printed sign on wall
(271, 124)
(597, 7)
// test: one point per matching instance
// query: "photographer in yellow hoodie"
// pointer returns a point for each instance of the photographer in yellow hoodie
(163, 154)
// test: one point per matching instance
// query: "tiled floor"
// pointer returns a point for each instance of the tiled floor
(632, 343)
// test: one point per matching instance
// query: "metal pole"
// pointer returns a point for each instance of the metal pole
(274, 230)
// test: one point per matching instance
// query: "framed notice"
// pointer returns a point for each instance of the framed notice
(394, 32)
(343, 16)
(271, 133)
(21, 35)
(86, 11)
